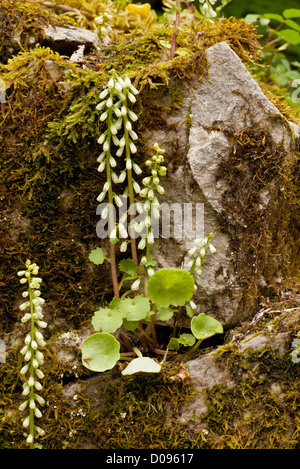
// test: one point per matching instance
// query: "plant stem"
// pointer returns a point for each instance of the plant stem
(178, 316)
(145, 334)
(175, 33)
(113, 263)
(31, 393)
(131, 195)
(194, 348)
(152, 328)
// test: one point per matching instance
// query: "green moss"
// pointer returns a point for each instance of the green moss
(257, 168)
(48, 151)
(22, 23)
(258, 410)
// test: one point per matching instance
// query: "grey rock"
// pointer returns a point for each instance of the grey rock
(229, 100)
(204, 374)
(67, 40)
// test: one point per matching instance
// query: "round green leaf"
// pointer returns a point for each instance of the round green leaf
(107, 320)
(100, 352)
(130, 325)
(134, 309)
(97, 256)
(128, 266)
(186, 339)
(170, 287)
(142, 364)
(203, 326)
(164, 314)
(173, 344)
(189, 311)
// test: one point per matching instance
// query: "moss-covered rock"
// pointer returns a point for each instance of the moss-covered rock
(49, 184)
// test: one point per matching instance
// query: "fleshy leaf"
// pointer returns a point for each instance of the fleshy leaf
(173, 344)
(97, 256)
(114, 304)
(134, 309)
(107, 320)
(128, 266)
(100, 352)
(142, 364)
(164, 314)
(189, 311)
(130, 325)
(187, 340)
(170, 287)
(203, 326)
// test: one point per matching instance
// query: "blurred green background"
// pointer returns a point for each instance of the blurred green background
(240, 9)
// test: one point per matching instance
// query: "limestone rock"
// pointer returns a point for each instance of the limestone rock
(67, 40)
(207, 371)
(199, 141)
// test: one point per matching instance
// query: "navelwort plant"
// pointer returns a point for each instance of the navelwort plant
(32, 355)
(151, 295)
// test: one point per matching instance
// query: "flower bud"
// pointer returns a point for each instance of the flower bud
(106, 145)
(150, 237)
(123, 247)
(37, 386)
(132, 147)
(40, 400)
(136, 284)
(27, 355)
(32, 404)
(122, 177)
(30, 381)
(29, 439)
(39, 373)
(133, 89)
(103, 94)
(103, 116)
(136, 187)
(160, 189)
(24, 370)
(26, 390)
(109, 102)
(106, 186)
(101, 167)
(37, 413)
(118, 201)
(136, 169)
(102, 138)
(132, 115)
(142, 243)
(128, 126)
(131, 98)
(212, 248)
(23, 406)
(26, 422)
(101, 197)
(26, 317)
